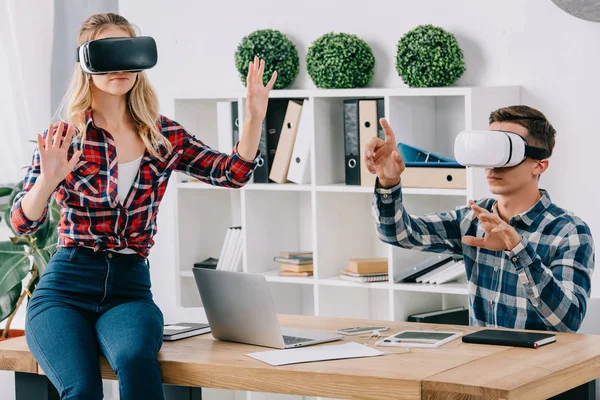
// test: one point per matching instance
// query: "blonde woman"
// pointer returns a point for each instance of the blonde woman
(108, 165)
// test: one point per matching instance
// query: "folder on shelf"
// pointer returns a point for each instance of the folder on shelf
(368, 112)
(425, 169)
(351, 142)
(261, 172)
(271, 131)
(235, 122)
(230, 258)
(226, 118)
(285, 146)
(431, 276)
(416, 271)
(299, 169)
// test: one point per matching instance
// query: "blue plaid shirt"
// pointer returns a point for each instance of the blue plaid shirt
(543, 283)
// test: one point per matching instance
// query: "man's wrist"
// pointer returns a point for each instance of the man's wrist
(388, 183)
(513, 242)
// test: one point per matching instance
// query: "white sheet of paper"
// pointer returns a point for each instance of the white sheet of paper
(315, 353)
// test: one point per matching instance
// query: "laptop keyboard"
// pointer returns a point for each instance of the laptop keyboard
(294, 339)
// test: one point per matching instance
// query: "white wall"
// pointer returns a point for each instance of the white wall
(533, 43)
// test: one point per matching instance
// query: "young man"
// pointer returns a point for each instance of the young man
(528, 261)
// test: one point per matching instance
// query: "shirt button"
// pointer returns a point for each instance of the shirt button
(496, 269)
(514, 259)
(110, 255)
(491, 301)
(385, 196)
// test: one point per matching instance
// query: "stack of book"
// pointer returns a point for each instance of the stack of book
(364, 270)
(299, 263)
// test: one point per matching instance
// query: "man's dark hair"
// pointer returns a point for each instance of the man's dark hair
(540, 131)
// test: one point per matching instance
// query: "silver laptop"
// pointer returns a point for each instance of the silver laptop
(239, 309)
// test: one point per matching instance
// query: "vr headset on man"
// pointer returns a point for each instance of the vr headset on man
(122, 54)
(494, 149)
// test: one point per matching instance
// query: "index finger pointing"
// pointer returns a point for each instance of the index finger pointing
(389, 133)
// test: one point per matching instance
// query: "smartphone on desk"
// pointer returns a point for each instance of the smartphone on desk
(358, 330)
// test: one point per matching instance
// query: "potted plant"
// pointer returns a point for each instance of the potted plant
(23, 255)
(340, 61)
(279, 52)
(429, 56)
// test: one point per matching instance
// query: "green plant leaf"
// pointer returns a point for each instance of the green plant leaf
(8, 301)
(5, 191)
(54, 211)
(42, 234)
(13, 271)
(11, 200)
(7, 250)
(41, 258)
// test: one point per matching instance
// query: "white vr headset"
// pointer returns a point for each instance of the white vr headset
(494, 149)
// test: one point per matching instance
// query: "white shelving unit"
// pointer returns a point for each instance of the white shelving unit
(327, 217)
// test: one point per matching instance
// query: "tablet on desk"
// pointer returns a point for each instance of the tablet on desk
(411, 338)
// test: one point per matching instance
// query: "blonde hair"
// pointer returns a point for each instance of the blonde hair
(142, 101)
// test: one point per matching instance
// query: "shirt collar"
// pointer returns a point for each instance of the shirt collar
(535, 211)
(88, 118)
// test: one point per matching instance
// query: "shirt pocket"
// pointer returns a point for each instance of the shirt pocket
(85, 183)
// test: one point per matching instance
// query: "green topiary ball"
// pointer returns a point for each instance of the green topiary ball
(429, 56)
(340, 60)
(279, 53)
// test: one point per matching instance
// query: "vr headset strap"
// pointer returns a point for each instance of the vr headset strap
(535, 152)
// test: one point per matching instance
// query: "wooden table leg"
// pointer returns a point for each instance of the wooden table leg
(173, 392)
(34, 387)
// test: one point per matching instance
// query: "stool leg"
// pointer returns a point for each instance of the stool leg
(34, 387)
(173, 392)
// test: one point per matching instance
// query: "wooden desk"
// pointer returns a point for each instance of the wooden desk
(455, 370)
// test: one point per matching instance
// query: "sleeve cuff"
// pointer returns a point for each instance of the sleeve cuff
(241, 168)
(389, 195)
(522, 255)
(24, 225)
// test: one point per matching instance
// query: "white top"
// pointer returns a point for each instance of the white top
(127, 174)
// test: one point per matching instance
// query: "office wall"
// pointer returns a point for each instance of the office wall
(550, 53)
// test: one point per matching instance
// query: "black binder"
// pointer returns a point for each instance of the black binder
(380, 114)
(351, 142)
(501, 337)
(261, 173)
(235, 123)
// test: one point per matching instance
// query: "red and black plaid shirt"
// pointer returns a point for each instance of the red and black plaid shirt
(91, 213)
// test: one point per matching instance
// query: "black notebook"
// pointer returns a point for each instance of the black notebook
(510, 338)
(184, 330)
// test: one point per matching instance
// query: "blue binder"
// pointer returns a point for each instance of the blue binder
(416, 157)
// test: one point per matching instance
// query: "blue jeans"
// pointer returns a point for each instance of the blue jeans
(89, 304)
